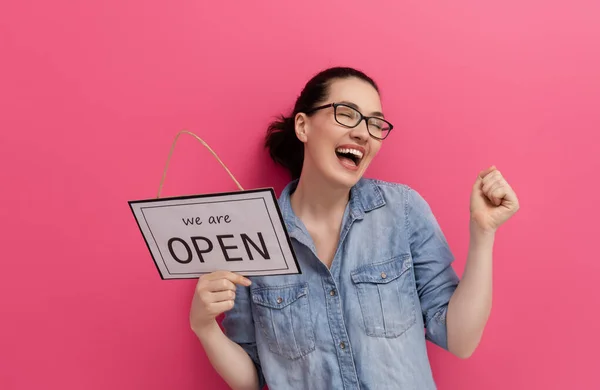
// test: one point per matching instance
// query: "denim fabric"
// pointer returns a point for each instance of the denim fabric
(363, 324)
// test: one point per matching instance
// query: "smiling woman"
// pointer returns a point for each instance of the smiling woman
(376, 265)
(335, 98)
(348, 114)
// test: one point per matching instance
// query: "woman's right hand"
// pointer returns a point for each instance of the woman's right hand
(215, 294)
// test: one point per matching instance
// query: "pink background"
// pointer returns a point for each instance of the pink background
(92, 94)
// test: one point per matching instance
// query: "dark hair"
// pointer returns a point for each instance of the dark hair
(284, 147)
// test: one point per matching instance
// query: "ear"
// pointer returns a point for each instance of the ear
(301, 127)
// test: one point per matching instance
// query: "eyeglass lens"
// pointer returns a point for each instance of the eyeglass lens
(350, 117)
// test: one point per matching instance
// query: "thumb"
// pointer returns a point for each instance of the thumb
(477, 186)
(477, 193)
(478, 183)
(239, 279)
(487, 171)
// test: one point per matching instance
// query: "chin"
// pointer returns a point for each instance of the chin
(344, 178)
(338, 172)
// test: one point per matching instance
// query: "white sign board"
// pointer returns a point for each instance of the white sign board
(242, 232)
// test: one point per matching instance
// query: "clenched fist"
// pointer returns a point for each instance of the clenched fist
(215, 294)
(493, 201)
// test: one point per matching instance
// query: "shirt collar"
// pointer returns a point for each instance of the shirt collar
(365, 196)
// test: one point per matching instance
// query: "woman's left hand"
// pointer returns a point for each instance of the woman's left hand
(493, 201)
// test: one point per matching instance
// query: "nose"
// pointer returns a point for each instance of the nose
(360, 132)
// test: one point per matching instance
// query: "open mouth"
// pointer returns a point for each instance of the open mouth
(349, 156)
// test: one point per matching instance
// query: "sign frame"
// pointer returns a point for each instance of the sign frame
(137, 206)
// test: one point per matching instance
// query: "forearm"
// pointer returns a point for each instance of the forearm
(470, 305)
(230, 360)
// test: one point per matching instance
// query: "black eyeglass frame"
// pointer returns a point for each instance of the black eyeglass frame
(362, 117)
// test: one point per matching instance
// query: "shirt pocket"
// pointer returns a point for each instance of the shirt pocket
(284, 316)
(386, 295)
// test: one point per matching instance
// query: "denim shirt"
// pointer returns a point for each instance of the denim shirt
(363, 324)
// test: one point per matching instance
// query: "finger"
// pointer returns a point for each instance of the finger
(487, 171)
(489, 183)
(220, 307)
(477, 185)
(510, 197)
(221, 296)
(231, 276)
(497, 193)
(220, 285)
(488, 178)
(492, 176)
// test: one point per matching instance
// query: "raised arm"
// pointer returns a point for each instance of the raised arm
(455, 313)
(493, 202)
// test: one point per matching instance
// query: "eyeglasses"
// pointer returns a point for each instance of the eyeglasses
(349, 116)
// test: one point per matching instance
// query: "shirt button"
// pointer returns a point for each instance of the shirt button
(279, 300)
(332, 293)
(383, 275)
(343, 345)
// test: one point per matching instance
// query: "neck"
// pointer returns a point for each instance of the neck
(315, 199)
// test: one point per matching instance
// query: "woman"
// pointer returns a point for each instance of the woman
(376, 268)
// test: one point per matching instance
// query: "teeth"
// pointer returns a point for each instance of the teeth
(355, 152)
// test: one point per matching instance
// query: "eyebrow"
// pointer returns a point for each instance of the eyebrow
(375, 113)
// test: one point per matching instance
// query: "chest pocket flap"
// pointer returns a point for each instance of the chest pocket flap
(279, 297)
(385, 272)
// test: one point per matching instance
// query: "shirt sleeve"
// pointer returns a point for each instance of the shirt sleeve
(435, 278)
(238, 325)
